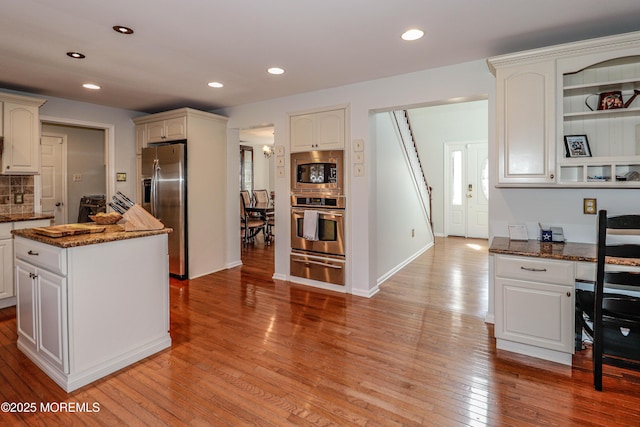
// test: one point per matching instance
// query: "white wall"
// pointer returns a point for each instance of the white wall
(402, 226)
(471, 79)
(434, 126)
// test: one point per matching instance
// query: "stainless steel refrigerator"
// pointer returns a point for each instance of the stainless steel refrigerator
(164, 195)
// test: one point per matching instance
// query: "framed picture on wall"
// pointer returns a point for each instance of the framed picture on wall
(577, 146)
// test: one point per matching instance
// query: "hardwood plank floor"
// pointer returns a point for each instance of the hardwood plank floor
(250, 350)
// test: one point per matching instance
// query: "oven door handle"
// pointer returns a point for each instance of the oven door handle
(320, 212)
(338, 267)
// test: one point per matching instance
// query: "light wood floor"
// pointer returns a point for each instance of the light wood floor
(248, 350)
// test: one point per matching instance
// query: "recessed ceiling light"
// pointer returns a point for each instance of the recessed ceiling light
(122, 29)
(275, 70)
(91, 86)
(413, 34)
(75, 55)
(215, 84)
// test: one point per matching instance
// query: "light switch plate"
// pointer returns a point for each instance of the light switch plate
(280, 172)
(358, 157)
(358, 145)
(279, 150)
(279, 161)
(358, 169)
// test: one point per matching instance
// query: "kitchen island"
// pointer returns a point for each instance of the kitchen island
(91, 304)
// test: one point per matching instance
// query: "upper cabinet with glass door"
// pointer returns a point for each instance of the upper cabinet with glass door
(567, 115)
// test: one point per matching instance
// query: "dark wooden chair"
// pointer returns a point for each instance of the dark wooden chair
(249, 226)
(616, 314)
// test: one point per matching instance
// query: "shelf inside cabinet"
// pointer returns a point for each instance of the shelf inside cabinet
(601, 171)
(625, 85)
(618, 112)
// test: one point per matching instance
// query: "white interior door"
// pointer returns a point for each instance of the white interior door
(54, 194)
(467, 192)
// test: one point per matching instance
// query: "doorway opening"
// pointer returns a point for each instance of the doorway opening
(257, 177)
(76, 167)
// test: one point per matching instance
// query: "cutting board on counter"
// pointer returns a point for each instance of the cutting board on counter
(69, 230)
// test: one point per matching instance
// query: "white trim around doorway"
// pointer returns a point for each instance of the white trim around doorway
(109, 153)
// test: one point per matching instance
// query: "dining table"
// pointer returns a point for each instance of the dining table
(264, 209)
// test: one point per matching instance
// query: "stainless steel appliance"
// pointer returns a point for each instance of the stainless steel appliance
(317, 171)
(164, 195)
(330, 231)
(326, 269)
(321, 256)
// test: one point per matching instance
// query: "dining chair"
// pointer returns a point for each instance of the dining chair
(249, 226)
(616, 313)
(261, 196)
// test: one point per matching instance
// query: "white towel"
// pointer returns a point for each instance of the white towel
(310, 225)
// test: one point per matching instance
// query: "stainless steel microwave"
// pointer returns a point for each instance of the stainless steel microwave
(318, 171)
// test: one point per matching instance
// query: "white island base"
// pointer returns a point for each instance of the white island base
(87, 311)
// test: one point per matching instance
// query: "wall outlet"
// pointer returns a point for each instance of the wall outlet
(18, 198)
(413, 232)
(590, 206)
(77, 177)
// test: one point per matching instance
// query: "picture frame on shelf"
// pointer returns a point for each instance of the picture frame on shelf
(577, 146)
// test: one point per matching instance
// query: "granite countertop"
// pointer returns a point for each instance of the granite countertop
(111, 233)
(569, 251)
(23, 217)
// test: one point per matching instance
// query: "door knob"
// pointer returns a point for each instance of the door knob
(58, 204)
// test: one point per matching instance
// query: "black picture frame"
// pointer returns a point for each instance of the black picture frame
(577, 146)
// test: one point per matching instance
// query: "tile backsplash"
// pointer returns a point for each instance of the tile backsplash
(12, 184)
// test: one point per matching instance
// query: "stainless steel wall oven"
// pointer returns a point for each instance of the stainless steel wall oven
(317, 236)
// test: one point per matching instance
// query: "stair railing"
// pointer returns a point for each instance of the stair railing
(410, 149)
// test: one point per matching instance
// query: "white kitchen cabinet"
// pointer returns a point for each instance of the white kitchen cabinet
(6, 263)
(542, 95)
(42, 313)
(21, 129)
(525, 102)
(324, 130)
(7, 288)
(535, 306)
(76, 320)
(141, 138)
(170, 129)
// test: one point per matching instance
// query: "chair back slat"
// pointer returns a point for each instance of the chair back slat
(613, 308)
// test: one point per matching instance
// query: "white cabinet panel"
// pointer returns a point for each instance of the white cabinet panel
(324, 130)
(533, 313)
(535, 305)
(526, 123)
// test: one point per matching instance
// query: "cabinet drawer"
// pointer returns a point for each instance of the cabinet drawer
(44, 256)
(535, 269)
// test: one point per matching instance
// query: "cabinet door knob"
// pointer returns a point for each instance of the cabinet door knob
(551, 176)
(568, 293)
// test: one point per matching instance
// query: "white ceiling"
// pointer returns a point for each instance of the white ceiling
(180, 46)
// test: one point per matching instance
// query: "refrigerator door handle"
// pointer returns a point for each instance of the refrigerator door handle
(154, 188)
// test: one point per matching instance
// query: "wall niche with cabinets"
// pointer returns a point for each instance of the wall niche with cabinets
(569, 115)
